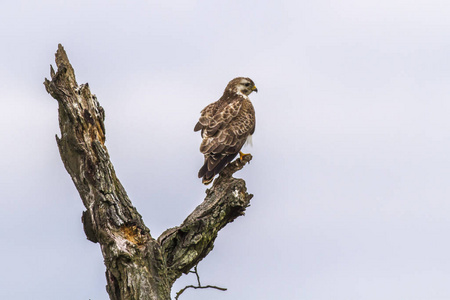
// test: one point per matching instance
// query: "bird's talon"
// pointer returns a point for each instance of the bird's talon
(242, 155)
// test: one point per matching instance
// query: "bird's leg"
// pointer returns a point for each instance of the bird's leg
(241, 155)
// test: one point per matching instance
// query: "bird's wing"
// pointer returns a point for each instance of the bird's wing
(217, 115)
(230, 130)
(205, 115)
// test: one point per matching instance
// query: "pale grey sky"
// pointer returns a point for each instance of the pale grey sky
(351, 151)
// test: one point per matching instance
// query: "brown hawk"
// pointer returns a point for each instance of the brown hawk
(225, 127)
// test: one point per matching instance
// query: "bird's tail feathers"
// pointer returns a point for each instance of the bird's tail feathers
(214, 163)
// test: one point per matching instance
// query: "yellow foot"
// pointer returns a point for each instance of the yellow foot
(241, 155)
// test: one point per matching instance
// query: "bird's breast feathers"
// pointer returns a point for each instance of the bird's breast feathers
(249, 141)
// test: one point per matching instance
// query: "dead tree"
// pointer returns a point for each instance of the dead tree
(138, 266)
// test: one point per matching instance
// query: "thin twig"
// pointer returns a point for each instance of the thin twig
(196, 274)
(199, 285)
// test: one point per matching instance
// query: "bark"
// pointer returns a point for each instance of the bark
(138, 266)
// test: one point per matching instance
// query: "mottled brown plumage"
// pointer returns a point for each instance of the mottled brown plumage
(225, 126)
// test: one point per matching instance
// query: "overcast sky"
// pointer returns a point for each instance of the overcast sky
(351, 163)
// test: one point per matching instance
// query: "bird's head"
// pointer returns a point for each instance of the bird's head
(242, 85)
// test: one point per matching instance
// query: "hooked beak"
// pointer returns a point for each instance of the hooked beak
(254, 89)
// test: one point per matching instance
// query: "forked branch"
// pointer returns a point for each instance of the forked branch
(137, 265)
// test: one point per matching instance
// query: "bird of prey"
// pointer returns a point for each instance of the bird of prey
(225, 127)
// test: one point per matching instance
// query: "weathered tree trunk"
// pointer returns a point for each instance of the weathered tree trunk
(137, 265)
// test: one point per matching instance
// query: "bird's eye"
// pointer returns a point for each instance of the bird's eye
(247, 84)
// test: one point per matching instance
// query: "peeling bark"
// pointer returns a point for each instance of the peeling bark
(137, 265)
